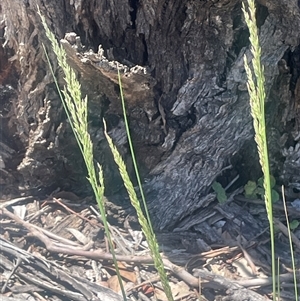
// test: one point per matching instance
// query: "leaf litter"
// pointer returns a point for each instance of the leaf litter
(55, 249)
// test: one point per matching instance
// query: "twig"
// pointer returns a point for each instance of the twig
(4, 203)
(249, 260)
(18, 262)
(59, 201)
(265, 281)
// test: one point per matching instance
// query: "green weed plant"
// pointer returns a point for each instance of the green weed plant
(220, 192)
(255, 190)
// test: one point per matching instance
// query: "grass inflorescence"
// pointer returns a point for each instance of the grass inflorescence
(256, 90)
(76, 109)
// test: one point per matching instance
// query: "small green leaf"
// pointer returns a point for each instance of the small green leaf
(260, 191)
(272, 181)
(220, 191)
(260, 182)
(294, 224)
(275, 196)
(250, 188)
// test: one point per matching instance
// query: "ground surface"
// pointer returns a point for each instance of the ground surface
(54, 248)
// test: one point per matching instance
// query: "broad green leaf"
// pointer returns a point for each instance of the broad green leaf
(272, 181)
(260, 191)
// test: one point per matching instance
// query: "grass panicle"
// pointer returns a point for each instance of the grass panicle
(256, 89)
(76, 109)
(146, 228)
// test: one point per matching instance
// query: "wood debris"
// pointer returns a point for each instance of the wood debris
(55, 249)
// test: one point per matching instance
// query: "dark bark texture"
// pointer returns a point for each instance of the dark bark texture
(185, 89)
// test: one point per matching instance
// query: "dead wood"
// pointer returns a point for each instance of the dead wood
(234, 291)
(184, 84)
(59, 241)
(40, 273)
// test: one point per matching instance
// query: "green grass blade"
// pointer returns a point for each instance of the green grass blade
(291, 245)
(151, 238)
(137, 174)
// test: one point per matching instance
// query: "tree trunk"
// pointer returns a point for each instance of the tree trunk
(185, 89)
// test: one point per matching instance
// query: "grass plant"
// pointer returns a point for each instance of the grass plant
(256, 90)
(76, 109)
(144, 221)
(146, 228)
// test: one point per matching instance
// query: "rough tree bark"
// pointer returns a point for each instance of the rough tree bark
(185, 87)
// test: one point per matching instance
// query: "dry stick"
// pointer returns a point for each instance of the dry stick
(59, 201)
(18, 262)
(48, 286)
(148, 281)
(52, 235)
(291, 209)
(215, 253)
(112, 230)
(235, 291)
(39, 296)
(265, 281)
(184, 296)
(5, 203)
(38, 213)
(209, 254)
(100, 255)
(249, 260)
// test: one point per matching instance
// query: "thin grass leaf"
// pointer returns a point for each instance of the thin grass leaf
(137, 174)
(151, 237)
(290, 243)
